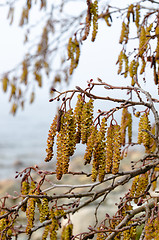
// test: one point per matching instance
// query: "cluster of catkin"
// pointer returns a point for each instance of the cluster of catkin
(135, 12)
(6, 226)
(73, 51)
(103, 145)
(41, 207)
(67, 232)
(71, 127)
(92, 15)
(139, 186)
(73, 47)
(112, 223)
(144, 31)
(126, 126)
(143, 133)
(152, 228)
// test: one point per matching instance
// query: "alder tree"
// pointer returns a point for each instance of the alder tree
(48, 205)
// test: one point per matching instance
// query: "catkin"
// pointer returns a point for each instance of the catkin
(116, 149)
(73, 51)
(53, 226)
(142, 41)
(88, 21)
(99, 153)
(152, 229)
(5, 82)
(123, 125)
(137, 15)
(78, 117)
(157, 47)
(123, 31)
(109, 148)
(30, 210)
(87, 120)
(94, 12)
(66, 142)
(46, 232)
(120, 61)
(126, 123)
(50, 140)
(90, 145)
(144, 136)
(24, 191)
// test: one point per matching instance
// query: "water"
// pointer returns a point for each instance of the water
(23, 137)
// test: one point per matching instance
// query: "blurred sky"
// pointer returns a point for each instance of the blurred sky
(23, 137)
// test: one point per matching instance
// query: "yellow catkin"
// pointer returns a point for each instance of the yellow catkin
(77, 52)
(145, 135)
(126, 123)
(152, 141)
(53, 226)
(123, 125)
(141, 187)
(68, 232)
(99, 153)
(38, 78)
(90, 145)
(134, 186)
(140, 133)
(109, 148)
(154, 182)
(150, 230)
(50, 140)
(116, 149)
(59, 170)
(13, 91)
(120, 61)
(143, 66)
(24, 17)
(66, 141)
(100, 235)
(32, 97)
(78, 117)
(129, 124)
(70, 131)
(69, 46)
(142, 41)
(30, 212)
(24, 191)
(123, 30)
(130, 11)
(137, 15)
(133, 68)
(107, 17)
(94, 12)
(5, 82)
(73, 50)
(125, 58)
(3, 225)
(44, 210)
(157, 47)
(14, 108)
(86, 120)
(24, 75)
(46, 232)
(88, 21)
